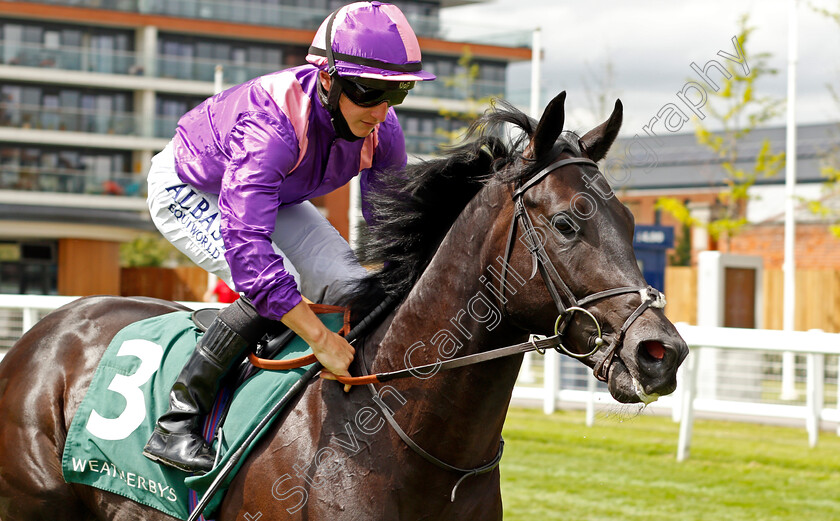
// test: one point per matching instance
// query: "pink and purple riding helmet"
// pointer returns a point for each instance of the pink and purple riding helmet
(370, 52)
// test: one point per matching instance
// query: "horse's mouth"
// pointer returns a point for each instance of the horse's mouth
(624, 387)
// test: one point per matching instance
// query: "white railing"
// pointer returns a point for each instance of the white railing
(814, 345)
(732, 372)
(18, 313)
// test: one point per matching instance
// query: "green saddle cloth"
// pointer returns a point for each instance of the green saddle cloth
(130, 390)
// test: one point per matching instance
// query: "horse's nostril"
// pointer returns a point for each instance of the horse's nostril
(655, 349)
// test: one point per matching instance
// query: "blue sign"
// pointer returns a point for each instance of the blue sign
(659, 237)
(650, 243)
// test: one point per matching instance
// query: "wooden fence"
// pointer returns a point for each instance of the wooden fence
(181, 283)
(817, 298)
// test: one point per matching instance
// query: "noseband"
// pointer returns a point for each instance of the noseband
(650, 298)
(564, 300)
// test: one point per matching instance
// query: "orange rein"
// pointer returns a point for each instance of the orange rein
(294, 363)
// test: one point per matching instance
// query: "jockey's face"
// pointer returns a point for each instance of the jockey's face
(361, 120)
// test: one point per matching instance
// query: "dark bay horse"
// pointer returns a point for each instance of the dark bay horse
(469, 277)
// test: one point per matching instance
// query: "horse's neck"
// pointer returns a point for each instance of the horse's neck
(450, 306)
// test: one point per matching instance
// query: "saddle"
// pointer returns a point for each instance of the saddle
(103, 445)
(274, 340)
(277, 336)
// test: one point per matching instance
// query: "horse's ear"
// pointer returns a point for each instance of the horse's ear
(549, 128)
(599, 140)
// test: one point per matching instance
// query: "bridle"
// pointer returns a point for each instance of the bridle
(564, 300)
(559, 292)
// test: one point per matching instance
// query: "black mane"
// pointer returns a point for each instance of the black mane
(413, 209)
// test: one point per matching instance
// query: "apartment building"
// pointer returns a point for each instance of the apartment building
(90, 90)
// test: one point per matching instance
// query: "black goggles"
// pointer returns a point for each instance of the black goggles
(370, 93)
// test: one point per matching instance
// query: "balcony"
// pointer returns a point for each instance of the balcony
(70, 181)
(70, 58)
(195, 69)
(93, 121)
(234, 12)
(239, 12)
(307, 18)
(201, 69)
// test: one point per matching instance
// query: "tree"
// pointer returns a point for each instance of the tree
(466, 81)
(599, 87)
(682, 248)
(734, 111)
(150, 250)
(830, 167)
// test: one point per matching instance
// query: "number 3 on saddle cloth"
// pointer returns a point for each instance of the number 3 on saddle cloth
(130, 389)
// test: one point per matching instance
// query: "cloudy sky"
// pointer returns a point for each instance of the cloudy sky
(651, 45)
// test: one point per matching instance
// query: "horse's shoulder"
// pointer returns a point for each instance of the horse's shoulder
(104, 312)
(112, 303)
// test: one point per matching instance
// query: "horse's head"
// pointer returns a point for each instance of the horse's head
(570, 241)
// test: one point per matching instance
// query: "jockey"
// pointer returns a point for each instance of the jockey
(232, 189)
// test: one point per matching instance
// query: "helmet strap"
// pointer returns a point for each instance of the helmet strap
(334, 94)
(330, 99)
(339, 124)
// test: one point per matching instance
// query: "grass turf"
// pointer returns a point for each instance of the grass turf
(625, 468)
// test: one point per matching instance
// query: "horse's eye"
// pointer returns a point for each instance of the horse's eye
(565, 224)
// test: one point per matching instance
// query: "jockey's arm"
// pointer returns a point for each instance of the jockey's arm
(331, 349)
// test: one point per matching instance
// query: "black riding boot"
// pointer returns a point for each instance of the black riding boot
(177, 440)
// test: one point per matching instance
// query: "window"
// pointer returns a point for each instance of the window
(421, 131)
(12, 43)
(33, 34)
(52, 40)
(10, 110)
(34, 44)
(169, 109)
(56, 169)
(29, 268)
(61, 108)
(240, 62)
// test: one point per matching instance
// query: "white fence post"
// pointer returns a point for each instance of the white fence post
(677, 407)
(551, 377)
(30, 317)
(815, 396)
(591, 386)
(690, 366)
(838, 394)
(526, 370)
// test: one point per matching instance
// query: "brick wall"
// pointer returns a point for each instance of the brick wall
(816, 247)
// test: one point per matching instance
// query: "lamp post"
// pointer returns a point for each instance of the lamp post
(789, 265)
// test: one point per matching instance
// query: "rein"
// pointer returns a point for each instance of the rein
(535, 343)
(650, 298)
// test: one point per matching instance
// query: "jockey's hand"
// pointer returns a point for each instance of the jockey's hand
(334, 353)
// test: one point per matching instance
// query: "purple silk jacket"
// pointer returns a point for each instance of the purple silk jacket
(266, 144)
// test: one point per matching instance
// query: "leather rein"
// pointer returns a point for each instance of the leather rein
(651, 297)
(558, 290)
